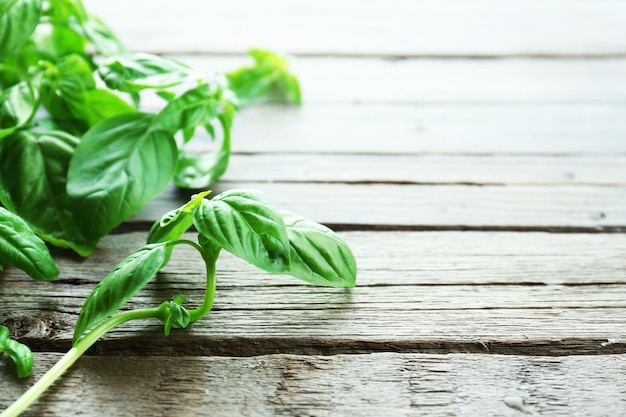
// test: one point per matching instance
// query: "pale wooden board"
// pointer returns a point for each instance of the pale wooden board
(427, 169)
(416, 292)
(383, 384)
(563, 129)
(396, 27)
(361, 80)
(571, 207)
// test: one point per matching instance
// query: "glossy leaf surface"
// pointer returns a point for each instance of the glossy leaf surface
(17, 106)
(119, 166)
(70, 95)
(195, 107)
(21, 248)
(318, 255)
(33, 178)
(134, 72)
(175, 223)
(18, 352)
(18, 20)
(126, 280)
(245, 223)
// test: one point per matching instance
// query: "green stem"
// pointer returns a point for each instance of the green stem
(209, 255)
(209, 295)
(74, 353)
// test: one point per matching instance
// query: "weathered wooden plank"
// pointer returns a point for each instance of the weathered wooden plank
(563, 129)
(427, 169)
(451, 128)
(447, 298)
(374, 27)
(351, 80)
(395, 258)
(327, 324)
(513, 207)
(388, 384)
(390, 297)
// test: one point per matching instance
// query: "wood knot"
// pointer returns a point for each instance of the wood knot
(23, 327)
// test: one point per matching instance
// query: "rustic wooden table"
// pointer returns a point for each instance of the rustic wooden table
(473, 154)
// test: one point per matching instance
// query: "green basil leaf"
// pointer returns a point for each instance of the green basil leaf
(195, 107)
(175, 223)
(166, 95)
(270, 71)
(72, 16)
(70, 95)
(66, 10)
(118, 167)
(318, 255)
(17, 106)
(33, 177)
(101, 36)
(101, 104)
(291, 87)
(126, 280)
(250, 84)
(18, 20)
(19, 353)
(179, 317)
(64, 90)
(201, 170)
(21, 248)
(134, 72)
(65, 40)
(246, 224)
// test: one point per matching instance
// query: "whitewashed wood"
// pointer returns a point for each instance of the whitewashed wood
(442, 206)
(360, 80)
(384, 384)
(427, 169)
(374, 27)
(562, 129)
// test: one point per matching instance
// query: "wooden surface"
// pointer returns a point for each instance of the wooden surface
(472, 153)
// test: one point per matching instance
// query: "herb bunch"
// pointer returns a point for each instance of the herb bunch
(77, 156)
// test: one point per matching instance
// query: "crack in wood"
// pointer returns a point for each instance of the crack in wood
(249, 347)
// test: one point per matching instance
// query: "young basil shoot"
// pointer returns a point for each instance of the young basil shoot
(242, 222)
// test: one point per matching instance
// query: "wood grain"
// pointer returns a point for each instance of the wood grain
(391, 28)
(515, 293)
(484, 129)
(392, 258)
(427, 169)
(446, 141)
(385, 384)
(457, 207)
(418, 81)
